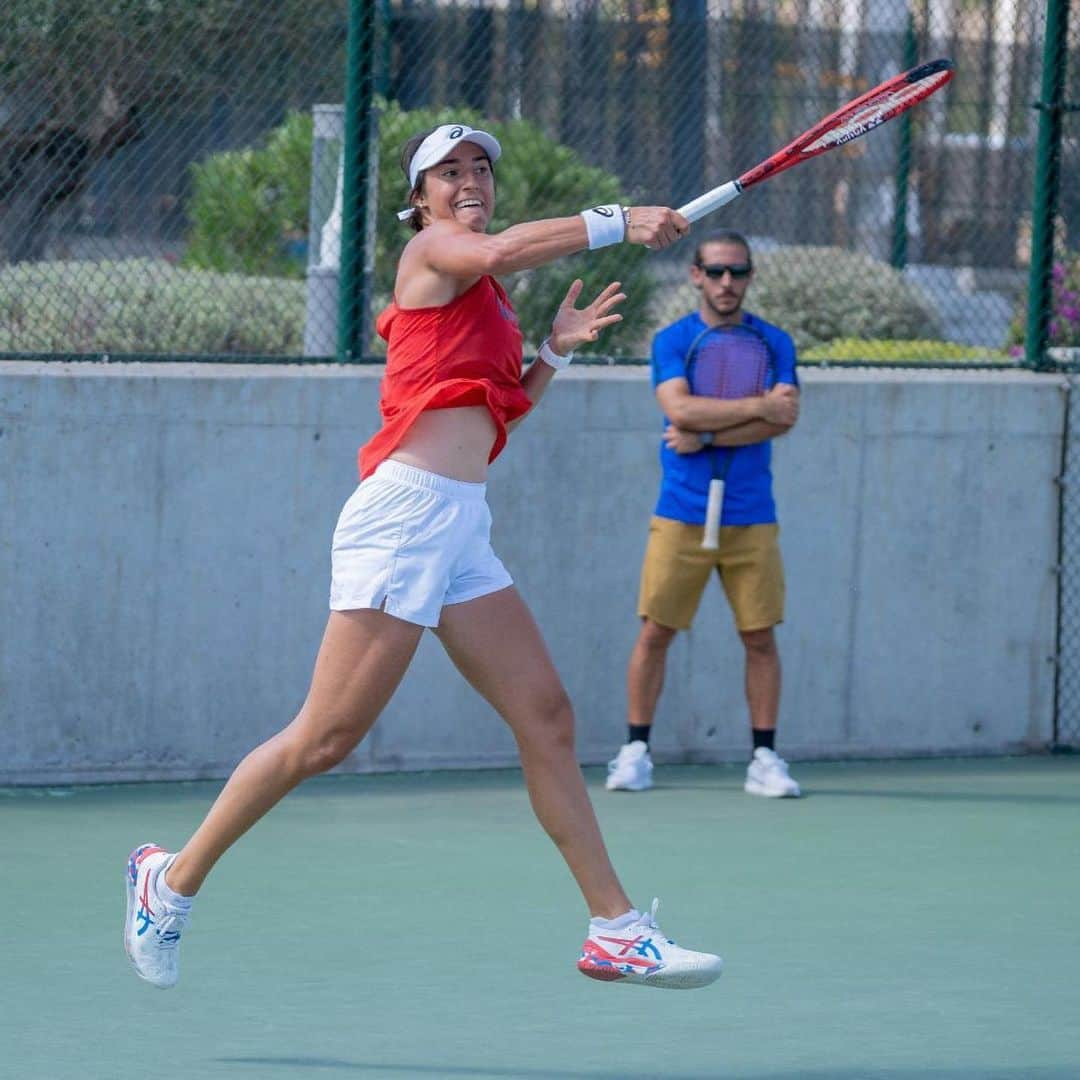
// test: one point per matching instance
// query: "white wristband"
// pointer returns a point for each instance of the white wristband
(552, 358)
(605, 225)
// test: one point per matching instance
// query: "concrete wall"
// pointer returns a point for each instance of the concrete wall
(164, 562)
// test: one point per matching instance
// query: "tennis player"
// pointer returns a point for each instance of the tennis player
(412, 551)
(677, 568)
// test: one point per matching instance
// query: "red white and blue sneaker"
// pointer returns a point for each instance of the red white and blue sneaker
(152, 928)
(640, 952)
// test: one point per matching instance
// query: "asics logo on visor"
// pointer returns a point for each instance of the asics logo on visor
(440, 144)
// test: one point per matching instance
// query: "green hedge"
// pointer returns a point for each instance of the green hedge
(879, 351)
(820, 295)
(249, 208)
(151, 306)
(146, 306)
(249, 213)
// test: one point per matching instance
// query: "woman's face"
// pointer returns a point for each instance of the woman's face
(460, 188)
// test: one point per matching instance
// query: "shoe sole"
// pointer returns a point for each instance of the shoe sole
(752, 788)
(681, 980)
(628, 787)
(692, 979)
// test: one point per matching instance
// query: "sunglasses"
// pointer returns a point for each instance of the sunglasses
(718, 270)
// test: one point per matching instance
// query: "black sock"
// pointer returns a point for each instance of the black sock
(764, 737)
(639, 733)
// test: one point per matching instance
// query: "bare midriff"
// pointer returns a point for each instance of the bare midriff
(451, 442)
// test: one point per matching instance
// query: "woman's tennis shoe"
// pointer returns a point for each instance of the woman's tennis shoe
(631, 770)
(640, 952)
(767, 774)
(152, 928)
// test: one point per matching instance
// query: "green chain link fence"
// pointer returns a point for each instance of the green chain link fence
(154, 172)
(1063, 313)
(169, 188)
(1067, 705)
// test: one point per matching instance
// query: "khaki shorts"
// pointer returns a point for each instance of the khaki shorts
(677, 568)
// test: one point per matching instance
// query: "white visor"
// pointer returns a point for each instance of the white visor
(440, 143)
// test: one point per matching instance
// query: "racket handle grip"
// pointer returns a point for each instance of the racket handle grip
(710, 539)
(711, 200)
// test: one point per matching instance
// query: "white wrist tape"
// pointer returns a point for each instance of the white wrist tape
(552, 358)
(605, 225)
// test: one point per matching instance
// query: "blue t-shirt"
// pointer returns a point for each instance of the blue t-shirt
(684, 488)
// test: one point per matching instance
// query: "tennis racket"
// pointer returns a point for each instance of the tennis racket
(865, 113)
(725, 362)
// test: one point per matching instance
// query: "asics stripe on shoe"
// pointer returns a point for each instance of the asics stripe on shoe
(151, 929)
(642, 953)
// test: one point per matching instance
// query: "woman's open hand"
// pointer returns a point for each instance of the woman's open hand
(574, 326)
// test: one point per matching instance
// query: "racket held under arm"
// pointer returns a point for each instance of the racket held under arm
(710, 539)
(727, 362)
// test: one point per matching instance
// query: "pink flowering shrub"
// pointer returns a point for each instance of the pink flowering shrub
(1064, 325)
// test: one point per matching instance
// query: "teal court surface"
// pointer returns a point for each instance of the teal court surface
(905, 919)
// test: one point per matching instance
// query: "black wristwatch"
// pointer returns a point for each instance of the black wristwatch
(706, 438)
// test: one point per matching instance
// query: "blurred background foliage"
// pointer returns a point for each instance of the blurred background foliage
(176, 138)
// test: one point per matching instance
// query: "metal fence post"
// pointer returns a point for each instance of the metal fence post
(1051, 105)
(903, 159)
(359, 181)
(322, 299)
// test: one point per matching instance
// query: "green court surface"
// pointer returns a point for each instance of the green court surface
(905, 919)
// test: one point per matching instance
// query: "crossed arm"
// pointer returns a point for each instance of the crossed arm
(733, 423)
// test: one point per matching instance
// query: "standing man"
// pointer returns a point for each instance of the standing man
(677, 568)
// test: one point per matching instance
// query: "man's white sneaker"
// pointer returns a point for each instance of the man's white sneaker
(767, 774)
(152, 928)
(631, 770)
(640, 952)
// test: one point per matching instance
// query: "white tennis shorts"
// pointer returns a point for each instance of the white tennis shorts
(410, 541)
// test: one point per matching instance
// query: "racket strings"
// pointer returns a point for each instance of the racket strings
(877, 110)
(730, 365)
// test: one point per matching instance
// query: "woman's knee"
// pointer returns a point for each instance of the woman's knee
(547, 719)
(311, 753)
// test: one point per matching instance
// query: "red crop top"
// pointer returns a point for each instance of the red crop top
(467, 352)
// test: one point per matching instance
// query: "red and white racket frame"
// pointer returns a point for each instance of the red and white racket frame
(856, 118)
